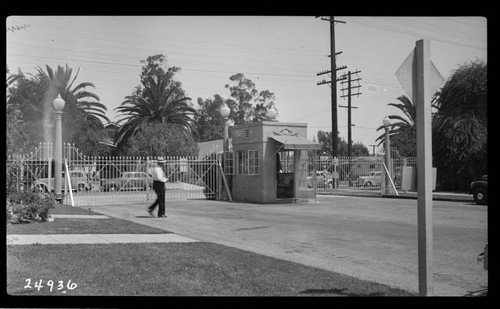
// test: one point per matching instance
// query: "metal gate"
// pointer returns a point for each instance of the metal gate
(349, 176)
(116, 180)
(359, 176)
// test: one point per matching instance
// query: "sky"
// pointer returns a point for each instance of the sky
(282, 54)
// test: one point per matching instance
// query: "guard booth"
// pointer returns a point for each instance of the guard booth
(272, 162)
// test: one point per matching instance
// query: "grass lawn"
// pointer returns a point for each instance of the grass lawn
(173, 269)
(81, 226)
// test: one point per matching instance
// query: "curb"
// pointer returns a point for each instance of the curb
(435, 197)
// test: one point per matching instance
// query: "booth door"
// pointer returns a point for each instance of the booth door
(285, 174)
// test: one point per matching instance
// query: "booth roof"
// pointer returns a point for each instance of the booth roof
(295, 142)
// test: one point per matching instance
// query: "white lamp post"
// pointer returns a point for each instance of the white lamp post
(387, 123)
(271, 113)
(225, 111)
(58, 104)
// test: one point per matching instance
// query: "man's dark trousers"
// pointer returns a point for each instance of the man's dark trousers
(159, 188)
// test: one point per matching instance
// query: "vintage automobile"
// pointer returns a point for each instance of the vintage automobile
(479, 190)
(373, 179)
(79, 182)
(129, 181)
(323, 180)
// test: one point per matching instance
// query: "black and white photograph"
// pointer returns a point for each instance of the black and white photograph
(246, 156)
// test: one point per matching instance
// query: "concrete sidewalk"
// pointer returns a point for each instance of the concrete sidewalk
(436, 196)
(64, 239)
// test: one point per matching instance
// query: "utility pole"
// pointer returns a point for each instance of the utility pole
(333, 71)
(349, 88)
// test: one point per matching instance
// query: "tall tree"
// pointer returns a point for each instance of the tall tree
(161, 102)
(402, 132)
(243, 95)
(264, 102)
(80, 104)
(208, 120)
(460, 134)
(156, 67)
(243, 92)
(246, 104)
(33, 96)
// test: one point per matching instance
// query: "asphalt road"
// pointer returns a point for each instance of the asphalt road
(369, 238)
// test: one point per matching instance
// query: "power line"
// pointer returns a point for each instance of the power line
(440, 30)
(246, 48)
(372, 23)
(140, 66)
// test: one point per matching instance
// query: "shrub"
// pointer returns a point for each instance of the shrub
(25, 206)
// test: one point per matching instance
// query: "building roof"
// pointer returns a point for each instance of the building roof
(290, 142)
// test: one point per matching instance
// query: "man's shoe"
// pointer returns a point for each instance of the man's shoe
(151, 213)
(162, 216)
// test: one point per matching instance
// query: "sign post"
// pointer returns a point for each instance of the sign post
(420, 79)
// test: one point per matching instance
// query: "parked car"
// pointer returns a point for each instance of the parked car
(323, 180)
(79, 182)
(479, 189)
(373, 179)
(128, 181)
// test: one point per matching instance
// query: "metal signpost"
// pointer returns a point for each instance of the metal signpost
(420, 79)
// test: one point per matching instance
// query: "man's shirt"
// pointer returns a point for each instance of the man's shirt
(158, 174)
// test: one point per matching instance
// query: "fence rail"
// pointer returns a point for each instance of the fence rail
(357, 176)
(117, 180)
(105, 180)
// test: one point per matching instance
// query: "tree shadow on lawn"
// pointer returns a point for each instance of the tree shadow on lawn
(338, 292)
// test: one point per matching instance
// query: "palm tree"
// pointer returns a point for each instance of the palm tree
(403, 124)
(160, 101)
(78, 98)
(10, 80)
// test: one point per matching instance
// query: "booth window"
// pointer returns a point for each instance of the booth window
(229, 163)
(286, 161)
(248, 162)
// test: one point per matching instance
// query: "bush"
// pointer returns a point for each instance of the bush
(26, 207)
(160, 139)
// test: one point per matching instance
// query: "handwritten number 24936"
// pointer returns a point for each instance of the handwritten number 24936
(50, 284)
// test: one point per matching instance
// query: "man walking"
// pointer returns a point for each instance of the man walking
(159, 180)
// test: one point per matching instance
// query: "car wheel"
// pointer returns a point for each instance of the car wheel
(481, 196)
(81, 187)
(112, 188)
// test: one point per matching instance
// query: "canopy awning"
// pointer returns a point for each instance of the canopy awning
(295, 142)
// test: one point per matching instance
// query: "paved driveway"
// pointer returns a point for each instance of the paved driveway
(369, 238)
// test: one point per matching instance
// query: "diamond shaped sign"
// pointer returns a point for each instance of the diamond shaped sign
(405, 75)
